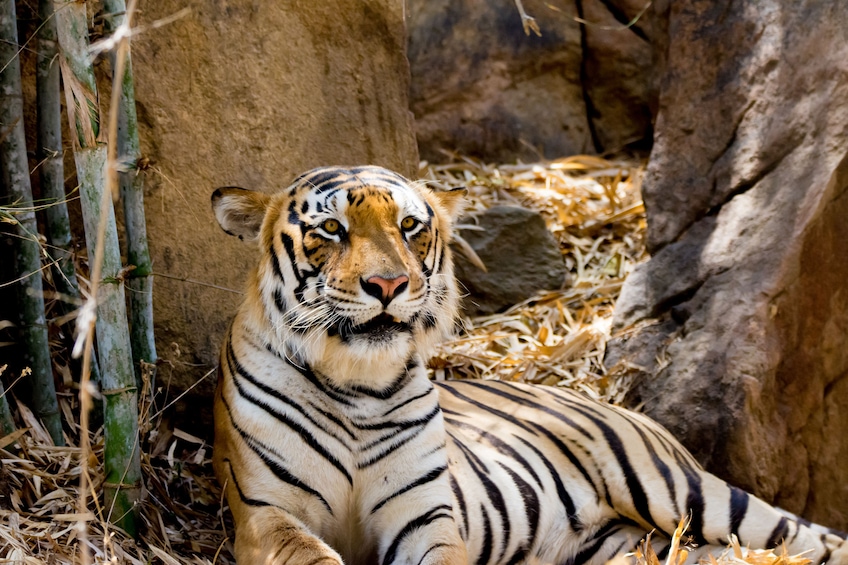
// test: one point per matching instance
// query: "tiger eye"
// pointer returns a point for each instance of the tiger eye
(408, 223)
(331, 226)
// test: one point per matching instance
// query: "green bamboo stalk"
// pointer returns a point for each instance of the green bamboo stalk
(122, 488)
(51, 169)
(132, 195)
(15, 177)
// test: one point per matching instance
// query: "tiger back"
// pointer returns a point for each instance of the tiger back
(334, 447)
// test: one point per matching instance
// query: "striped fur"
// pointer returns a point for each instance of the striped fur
(333, 446)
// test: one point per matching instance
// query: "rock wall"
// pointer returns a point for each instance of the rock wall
(739, 322)
(251, 94)
(483, 87)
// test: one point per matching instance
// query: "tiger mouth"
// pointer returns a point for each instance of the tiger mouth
(379, 328)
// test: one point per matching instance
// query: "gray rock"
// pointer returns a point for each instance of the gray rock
(744, 305)
(481, 86)
(520, 254)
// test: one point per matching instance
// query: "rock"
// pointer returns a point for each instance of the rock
(743, 308)
(617, 72)
(251, 94)
(520, 254)
(483, 87)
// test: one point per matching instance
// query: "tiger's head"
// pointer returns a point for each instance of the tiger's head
(355, 276)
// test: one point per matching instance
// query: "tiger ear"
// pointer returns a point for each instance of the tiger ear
(240, 211)
(452, 201)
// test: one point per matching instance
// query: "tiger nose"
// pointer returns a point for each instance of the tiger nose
(385, 290)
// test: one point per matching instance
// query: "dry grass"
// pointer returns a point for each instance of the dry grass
(182, 515)
(734, 554)
(591, 205)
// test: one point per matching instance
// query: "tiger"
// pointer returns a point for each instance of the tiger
(333, 446)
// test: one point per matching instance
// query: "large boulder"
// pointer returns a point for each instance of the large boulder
(521, 257)
(482, 86)
(251, 94)
(737, 328)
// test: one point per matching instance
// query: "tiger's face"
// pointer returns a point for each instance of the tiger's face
(356, 274)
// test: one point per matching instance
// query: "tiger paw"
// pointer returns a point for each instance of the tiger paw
(288, 552)
(270, 536)
(445, 555)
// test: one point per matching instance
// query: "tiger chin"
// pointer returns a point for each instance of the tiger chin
(332, 445)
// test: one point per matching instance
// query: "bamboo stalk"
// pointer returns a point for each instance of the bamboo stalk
(132, 196)
(122, 488)
(7, 423)
(15, 178)
(51, 167)
(51, 170)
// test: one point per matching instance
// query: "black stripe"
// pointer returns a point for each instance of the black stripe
(579, 402)
(476, 464)
(569, 455)
(402, 424)
(392, 434)
(288, 244)
(534, 405)
(588, 553)
(280, 303)
(508, 417)
(499, 445)
(249, 501)
(486, 552)
(663, 469)
(495, 498)
(532, 511)
(634, 486)
(826, 557)
(391, 449)
(306, 372)
(275, 264)
(778, 534)
(422, 480)
(408, 401)
(460, 499)
(662, 553)
(324, 179)
(305, 434)
(394, 387)
(694, 504)
(564, 497)
(333, 419)
(241, 371)
(738, 508)
(278, 470)
(432, 547)
(421, 521)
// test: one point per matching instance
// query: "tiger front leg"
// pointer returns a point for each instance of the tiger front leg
(270, 536)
